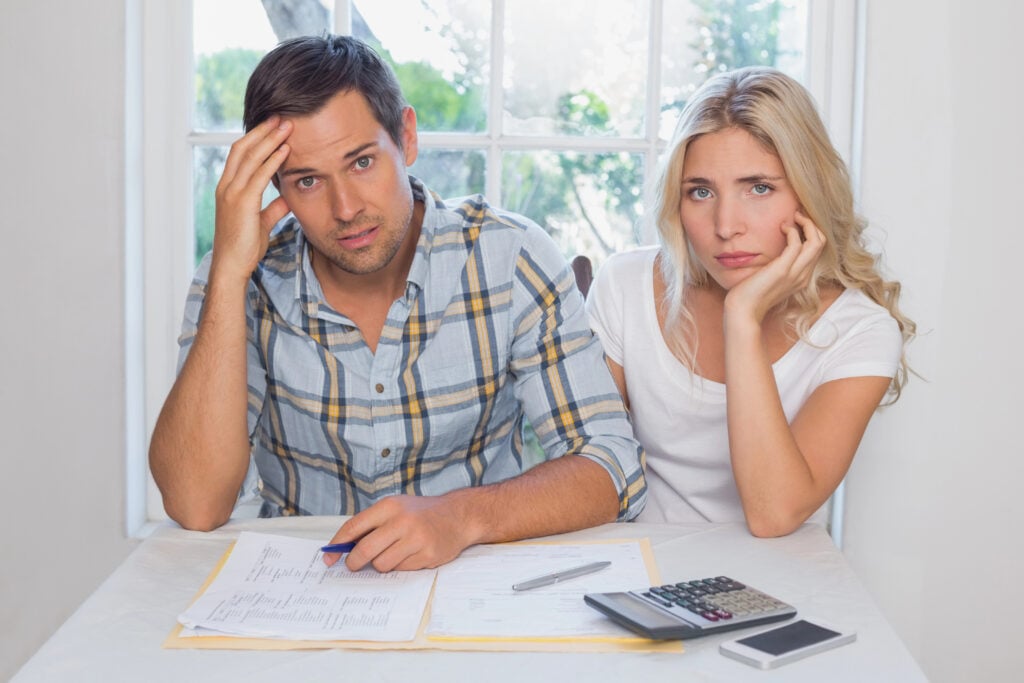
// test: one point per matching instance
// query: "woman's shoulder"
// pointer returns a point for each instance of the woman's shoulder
(627, 263)
(855, 312)
(620, 284)
(854, 304)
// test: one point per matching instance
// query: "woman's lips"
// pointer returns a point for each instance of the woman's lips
(736, 259)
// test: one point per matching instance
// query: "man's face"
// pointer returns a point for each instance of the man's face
(345, 180)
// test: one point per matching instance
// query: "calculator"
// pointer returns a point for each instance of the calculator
(691, 609)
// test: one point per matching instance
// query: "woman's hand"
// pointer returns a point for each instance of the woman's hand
(790, 272)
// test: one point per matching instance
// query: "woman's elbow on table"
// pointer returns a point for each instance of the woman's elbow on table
(775, 523)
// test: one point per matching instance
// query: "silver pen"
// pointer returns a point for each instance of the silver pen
(555, 577)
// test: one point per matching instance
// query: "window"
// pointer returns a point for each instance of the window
(560, 119)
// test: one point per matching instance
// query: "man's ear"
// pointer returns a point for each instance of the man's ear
(410, 138)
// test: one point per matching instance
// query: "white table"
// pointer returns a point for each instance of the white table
(116, 635)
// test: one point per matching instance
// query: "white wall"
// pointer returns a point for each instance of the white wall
(930, 496)
(932, 524)
(61, 396)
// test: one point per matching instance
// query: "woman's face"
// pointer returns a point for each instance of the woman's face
(735, 200)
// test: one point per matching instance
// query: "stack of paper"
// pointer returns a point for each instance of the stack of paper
(278, 587)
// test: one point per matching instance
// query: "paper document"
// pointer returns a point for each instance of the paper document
(278, 587)
(474, 597)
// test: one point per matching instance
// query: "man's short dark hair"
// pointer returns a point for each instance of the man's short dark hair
(300, 75)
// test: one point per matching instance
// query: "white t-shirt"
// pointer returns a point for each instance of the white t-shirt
(680, 418)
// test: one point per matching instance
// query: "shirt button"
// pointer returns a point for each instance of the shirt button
(385, 453)
(379, 388)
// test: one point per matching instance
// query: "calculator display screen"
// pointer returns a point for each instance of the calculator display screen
(788, 638)
(640, 612)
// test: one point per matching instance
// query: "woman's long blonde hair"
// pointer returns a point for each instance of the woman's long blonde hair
(780, 114)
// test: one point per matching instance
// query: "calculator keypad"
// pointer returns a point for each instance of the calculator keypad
(705, 602)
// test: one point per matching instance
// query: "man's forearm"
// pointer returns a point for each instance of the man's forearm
(199, 453)
(565, 494)
(414, 532)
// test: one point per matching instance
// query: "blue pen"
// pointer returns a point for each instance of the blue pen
(338, 548)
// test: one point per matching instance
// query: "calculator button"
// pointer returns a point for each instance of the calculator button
(658, 599)
(717, 603)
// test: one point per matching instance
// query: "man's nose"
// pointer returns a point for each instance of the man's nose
(346, 202)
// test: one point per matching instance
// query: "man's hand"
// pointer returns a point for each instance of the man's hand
(243, 230)
(405, 532)
(788, 273)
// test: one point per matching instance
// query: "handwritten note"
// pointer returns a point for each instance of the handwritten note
(278, 587)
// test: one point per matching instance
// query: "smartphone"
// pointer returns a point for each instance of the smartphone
(785, 644)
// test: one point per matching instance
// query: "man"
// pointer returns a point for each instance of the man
(375, 350)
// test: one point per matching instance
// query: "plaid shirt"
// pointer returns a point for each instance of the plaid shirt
(491, 329)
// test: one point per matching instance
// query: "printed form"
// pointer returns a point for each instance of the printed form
(474, 597)
(278, 587)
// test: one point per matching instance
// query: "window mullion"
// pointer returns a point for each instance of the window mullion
(202, 138)
(496, 103)
(652, 149)
(167, 201)
(343, 17)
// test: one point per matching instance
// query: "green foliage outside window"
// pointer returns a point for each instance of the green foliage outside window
(734, 33)
(220, 90)
(730, 33)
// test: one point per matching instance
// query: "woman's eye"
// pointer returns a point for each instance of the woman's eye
(762, 188)
(700, 193)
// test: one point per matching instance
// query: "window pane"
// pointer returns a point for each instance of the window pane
(451, 173)
(590, 203)
(703, 37)
(207, 166)
(575, 67)
(229, 38)
(440, 51)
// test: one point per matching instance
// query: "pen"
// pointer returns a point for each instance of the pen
(338, 548)
(555, 577)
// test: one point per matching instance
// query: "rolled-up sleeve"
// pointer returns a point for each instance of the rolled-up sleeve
(561, 378)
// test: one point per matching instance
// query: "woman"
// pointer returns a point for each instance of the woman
(755, 342)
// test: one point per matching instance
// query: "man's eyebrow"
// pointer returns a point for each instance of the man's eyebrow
(305, 170)
(296, 171)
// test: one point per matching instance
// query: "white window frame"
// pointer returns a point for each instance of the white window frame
(159, 251)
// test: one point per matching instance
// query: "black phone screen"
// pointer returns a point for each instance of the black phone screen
(788, 638)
